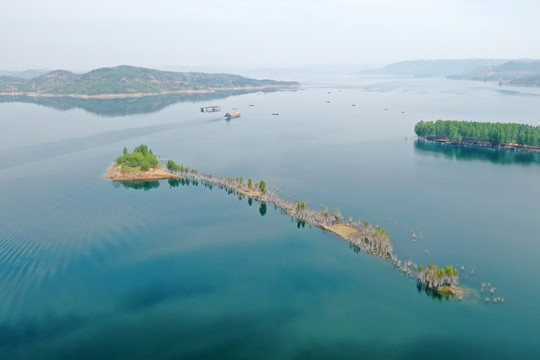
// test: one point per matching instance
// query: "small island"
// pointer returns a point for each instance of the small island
(141, 164)
(439, 279)
(507, 136)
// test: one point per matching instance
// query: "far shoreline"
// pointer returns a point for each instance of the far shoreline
(140, 95)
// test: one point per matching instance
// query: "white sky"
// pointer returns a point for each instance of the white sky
(76, 34)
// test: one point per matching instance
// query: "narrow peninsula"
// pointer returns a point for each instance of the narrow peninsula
(362, 236)
(508, 136)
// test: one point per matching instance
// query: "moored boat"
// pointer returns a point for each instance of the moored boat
(210, 109)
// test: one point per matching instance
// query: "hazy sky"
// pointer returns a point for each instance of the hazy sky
(77, 34)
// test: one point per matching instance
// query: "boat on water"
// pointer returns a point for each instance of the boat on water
(211, 109)
(232, 115)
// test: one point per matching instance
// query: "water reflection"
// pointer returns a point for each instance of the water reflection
(145, 185)
(434, 294)
(122, 107)
(173, 183)
(468, 153)
(262, 209)
(515, 92)
(148, 185)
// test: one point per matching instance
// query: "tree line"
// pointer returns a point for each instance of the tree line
(495, 133)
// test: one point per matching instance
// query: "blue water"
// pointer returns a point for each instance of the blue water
(92, 269)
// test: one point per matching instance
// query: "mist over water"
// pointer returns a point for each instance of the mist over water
(163, 269)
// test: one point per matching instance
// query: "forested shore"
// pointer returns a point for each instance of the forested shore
(509, 136)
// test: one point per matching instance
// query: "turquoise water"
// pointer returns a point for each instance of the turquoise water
(92, 269)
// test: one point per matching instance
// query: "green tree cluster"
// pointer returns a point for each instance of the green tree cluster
(172, 166)
(380, 231)
(495, 133)
(140, 157)
(262, 186)
(438, 271)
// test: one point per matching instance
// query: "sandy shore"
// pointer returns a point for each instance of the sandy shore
(343, 230)
(254, 194)
(115, 173)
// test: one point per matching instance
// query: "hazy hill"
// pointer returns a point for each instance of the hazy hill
(26, 74)
(128, 80)
(516, 72)
(436, 67)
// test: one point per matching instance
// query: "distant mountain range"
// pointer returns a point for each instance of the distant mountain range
(427, 68)
(505, 72)
(516, 72)
(129, 81)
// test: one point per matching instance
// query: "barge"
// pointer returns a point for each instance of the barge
(232, 115)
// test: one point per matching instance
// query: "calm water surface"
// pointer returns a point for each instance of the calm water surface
(90, 269)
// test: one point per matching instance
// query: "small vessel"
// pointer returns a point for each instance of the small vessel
(232, 115)
(275, 113)
(251, 105)
(211, 109)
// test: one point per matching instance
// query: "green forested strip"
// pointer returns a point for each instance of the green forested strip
(496, 133)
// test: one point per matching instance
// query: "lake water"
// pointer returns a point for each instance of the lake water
(91, 269)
